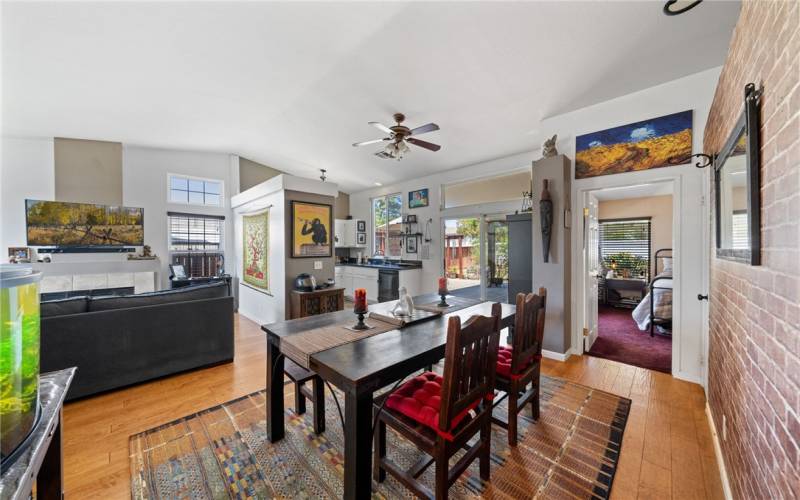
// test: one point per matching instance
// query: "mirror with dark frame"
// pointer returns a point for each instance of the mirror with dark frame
(738, 187)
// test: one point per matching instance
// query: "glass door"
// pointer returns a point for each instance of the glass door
(495, 273)
(475, 256)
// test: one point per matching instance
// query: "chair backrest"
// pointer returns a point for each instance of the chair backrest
(528, 328)
(470, 363)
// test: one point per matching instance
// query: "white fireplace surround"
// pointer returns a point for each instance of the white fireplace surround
(93, 271)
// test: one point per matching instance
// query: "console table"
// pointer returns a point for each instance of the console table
(41, 461)
(320, 301)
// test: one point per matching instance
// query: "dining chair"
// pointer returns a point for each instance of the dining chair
(299, 376)
(520, 363)
(440, 414)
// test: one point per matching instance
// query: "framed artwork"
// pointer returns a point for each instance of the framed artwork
(255, 247)
(361, 226)
(660, 142)
(411, 244)
(361, 238)
(19, 254)
(418, 198)
(312, 229)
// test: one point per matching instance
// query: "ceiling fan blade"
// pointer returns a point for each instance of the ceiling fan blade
(371, 142)
(424, 144)
(424, 128)
(381, 127)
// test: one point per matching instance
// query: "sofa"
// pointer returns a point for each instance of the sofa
(117, 341)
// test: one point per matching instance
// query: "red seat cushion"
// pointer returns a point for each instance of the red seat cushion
(420, 398)
(504, 355)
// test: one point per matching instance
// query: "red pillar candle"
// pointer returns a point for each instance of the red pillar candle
(442, 285)
(360, 300)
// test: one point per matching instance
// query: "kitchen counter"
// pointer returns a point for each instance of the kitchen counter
(392, 267)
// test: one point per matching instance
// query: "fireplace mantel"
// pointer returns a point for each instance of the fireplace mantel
(66, 276)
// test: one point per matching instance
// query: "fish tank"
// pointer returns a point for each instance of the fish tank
(19, 358)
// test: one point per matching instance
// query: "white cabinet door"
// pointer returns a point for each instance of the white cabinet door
(347, 283)
(338, 232)
(350, 233)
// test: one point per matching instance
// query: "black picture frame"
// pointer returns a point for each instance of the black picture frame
(361, 226)
(749, 123)
(411, 244)
(329, 229)
(361, 238)
(419, 198)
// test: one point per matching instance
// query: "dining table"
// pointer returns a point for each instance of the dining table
(362, 367)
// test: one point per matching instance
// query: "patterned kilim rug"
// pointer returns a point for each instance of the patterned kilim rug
(222, 452)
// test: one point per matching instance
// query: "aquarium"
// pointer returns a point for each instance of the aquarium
(19, 356)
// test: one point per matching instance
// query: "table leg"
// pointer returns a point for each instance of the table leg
(358, 446)
(275, 425)
(50, 481)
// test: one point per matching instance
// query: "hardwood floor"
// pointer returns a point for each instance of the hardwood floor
(667, 449)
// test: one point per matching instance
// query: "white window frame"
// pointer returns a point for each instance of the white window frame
(374, 227)
(221, 182)
(171, 252)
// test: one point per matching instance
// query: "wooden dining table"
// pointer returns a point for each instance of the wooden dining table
(362, 367)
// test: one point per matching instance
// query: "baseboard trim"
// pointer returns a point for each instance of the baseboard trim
(723, 472)
(558, 356)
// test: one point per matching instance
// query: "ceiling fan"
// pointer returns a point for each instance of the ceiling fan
(399, 136)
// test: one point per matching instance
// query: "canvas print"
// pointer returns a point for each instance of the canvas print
(643, 145)
(61, 223)
(255, 231)
(311, 229)
(417, 199)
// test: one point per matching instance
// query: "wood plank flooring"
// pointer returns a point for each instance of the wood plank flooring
(667, 449)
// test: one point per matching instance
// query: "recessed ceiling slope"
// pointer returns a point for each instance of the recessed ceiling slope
(268, 80)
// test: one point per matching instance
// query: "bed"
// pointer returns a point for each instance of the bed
(655, 310)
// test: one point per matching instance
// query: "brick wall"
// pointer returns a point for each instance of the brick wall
(754, 344)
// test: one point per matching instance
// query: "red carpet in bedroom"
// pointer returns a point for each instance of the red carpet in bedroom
(620, 340)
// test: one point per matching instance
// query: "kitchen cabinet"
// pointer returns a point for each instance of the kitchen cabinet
(351, 277)
(346, 234)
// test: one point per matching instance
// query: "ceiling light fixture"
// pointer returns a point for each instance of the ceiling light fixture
(323, 176)
(378, 184)
(675, 7)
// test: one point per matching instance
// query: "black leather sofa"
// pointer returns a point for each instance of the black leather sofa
(123, 340)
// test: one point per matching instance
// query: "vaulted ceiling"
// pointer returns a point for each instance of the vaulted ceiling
(293, 85)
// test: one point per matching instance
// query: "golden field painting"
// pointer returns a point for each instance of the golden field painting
(660, 142)
(62, 223)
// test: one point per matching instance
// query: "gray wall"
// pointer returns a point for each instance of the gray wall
(88, 171)
(305, 265)
(342, 208)
(252, 173)
(555, 274)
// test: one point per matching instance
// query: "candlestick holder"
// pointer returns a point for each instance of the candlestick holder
(360, 325)
(443, 302)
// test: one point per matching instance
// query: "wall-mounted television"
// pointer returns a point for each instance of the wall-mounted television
(65, 224)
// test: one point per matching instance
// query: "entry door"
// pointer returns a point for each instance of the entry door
(591, 251)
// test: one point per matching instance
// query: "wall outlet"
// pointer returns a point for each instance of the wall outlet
(317, 264)
(724, 428)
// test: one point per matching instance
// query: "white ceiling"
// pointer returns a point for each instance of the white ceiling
(293, 85)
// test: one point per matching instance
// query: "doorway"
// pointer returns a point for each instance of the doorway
(475, 256)
(628, 241)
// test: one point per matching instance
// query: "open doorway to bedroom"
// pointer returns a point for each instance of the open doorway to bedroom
(629, 237)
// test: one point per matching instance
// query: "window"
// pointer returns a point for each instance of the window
(387, 222)
(741, 240)
(625, 247)
(195, 191)
(195, 242)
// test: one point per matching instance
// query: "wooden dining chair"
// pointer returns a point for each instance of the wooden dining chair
(519, 364)
(299, 376)
(440, 414)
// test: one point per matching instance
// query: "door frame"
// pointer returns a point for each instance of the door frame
(676, 178)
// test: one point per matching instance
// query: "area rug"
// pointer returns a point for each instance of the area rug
(222, 452)
(619, 339)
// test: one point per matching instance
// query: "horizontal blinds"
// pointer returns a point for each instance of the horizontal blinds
(625, 244)
(195, 233)
(740, 238)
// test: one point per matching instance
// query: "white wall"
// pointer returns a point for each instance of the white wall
(27, 171)
(144, 184)
(690, 219)
(360, 206)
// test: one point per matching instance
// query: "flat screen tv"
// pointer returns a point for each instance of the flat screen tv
(65, 224)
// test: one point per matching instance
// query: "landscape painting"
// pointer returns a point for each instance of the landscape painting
(255, 231)
(60, 223)
(311, 229)
(660, 142)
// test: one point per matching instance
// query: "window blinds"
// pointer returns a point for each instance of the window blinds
(195, 241)
(625, 245)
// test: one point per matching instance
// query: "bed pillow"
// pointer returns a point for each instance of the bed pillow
(666, 262)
